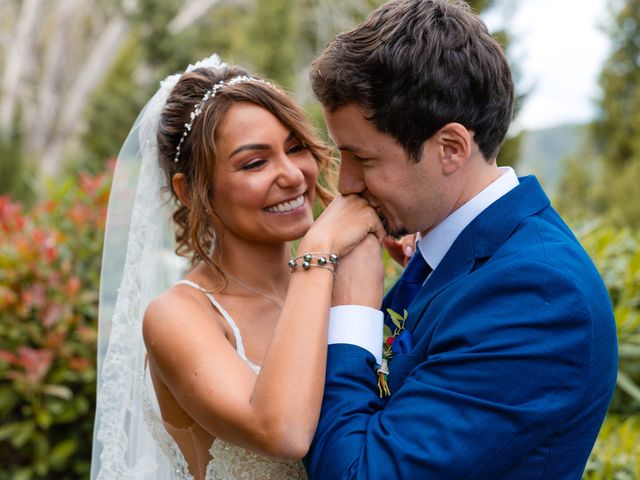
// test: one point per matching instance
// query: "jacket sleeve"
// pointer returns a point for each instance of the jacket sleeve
(507, 361)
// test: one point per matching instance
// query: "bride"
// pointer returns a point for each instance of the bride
(231, 383)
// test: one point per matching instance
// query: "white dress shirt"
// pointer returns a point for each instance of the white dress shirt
(362, 326)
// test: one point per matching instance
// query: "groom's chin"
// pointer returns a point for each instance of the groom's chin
(392, 230)
(397, 233)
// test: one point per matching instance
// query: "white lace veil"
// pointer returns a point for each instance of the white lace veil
(138, 263)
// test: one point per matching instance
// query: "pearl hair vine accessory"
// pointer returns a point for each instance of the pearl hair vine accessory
(209, 94)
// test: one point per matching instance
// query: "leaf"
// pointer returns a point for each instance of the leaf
(397, 319)
(395, 316)
(59, 391)
(61, 453)
(7, 431)
(7, 398)
(386, 332)
(23, 474)
(629, 351)
(23, 433)
(628, 385)
(44, 419)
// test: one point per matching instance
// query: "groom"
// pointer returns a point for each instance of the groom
(506, 361)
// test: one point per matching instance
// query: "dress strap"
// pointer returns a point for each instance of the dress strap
(223, 312)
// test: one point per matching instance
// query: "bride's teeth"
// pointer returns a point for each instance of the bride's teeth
(286, 206)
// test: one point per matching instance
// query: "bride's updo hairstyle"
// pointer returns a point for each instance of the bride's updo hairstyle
(199, 229)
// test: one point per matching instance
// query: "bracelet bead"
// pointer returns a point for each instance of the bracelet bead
(328, 261)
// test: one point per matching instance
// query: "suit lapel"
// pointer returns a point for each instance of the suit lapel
(479, 240)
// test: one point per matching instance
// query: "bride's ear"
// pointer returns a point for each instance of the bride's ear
(179, 184)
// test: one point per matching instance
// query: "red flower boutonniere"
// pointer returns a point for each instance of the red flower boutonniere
(388, 350)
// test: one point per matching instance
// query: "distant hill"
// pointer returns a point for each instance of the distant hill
(543, 152)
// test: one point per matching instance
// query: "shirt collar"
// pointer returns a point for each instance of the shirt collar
(435, 244)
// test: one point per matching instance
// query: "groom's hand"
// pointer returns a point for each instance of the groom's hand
(360, 276)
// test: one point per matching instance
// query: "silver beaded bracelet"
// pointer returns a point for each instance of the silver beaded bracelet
(315, 259)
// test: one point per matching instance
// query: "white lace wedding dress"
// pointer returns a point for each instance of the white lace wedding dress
(228, 462)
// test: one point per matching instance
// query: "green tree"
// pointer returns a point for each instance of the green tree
(153, 50)
(276, 38)
(273, 35)
(510, 149)
(15, 171)
(616, 132)
(617, 129)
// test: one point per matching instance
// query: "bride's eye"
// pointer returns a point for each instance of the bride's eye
(296, 147)
(253, 164)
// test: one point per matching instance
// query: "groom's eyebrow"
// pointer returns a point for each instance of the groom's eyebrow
(358, 152)
(346, 148)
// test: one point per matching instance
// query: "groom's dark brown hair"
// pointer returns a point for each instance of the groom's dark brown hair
(416, 65)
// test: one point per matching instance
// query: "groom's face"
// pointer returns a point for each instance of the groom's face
(408, 196)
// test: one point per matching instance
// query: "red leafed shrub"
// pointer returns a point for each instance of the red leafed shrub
(49, 273)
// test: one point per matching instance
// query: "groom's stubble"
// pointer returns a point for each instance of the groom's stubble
(396, 232)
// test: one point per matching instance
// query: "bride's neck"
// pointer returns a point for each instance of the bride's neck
(261, 265)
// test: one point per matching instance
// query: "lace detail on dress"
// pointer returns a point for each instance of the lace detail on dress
(179, 465)
(228, 461)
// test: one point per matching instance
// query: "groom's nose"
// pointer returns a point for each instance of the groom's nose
(351, 179)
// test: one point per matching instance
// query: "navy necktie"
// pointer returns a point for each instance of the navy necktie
(410, 282)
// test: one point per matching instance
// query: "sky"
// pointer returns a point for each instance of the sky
(560, 48)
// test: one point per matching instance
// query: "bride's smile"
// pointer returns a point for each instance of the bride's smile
(287, 206)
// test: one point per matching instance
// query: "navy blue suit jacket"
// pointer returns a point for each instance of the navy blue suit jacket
(513, 366)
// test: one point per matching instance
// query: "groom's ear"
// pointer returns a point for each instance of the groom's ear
(454, 144)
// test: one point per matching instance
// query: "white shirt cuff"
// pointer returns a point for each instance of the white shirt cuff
(357, 325)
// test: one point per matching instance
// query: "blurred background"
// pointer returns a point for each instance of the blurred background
(74, 75)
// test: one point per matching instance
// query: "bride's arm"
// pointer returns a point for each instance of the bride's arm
(275, 413)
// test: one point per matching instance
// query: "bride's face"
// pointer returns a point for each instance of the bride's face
(264, 177)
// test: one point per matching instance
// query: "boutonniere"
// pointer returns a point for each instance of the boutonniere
(396, 341)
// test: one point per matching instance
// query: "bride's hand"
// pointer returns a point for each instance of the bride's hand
(401, 249)
(360, 276)
(345, 222)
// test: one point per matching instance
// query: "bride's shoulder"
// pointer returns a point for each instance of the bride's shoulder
(179, 311)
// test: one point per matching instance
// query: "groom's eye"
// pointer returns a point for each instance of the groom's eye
(360, 159)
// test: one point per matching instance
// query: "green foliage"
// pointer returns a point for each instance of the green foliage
(619, 193)
(273, 35)
(112, 112)
(14, 169)
(576, 195)
(616, 454)
(151, 53)
(49, 274)
(617, 131)
(510, 149)
(616, 253)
